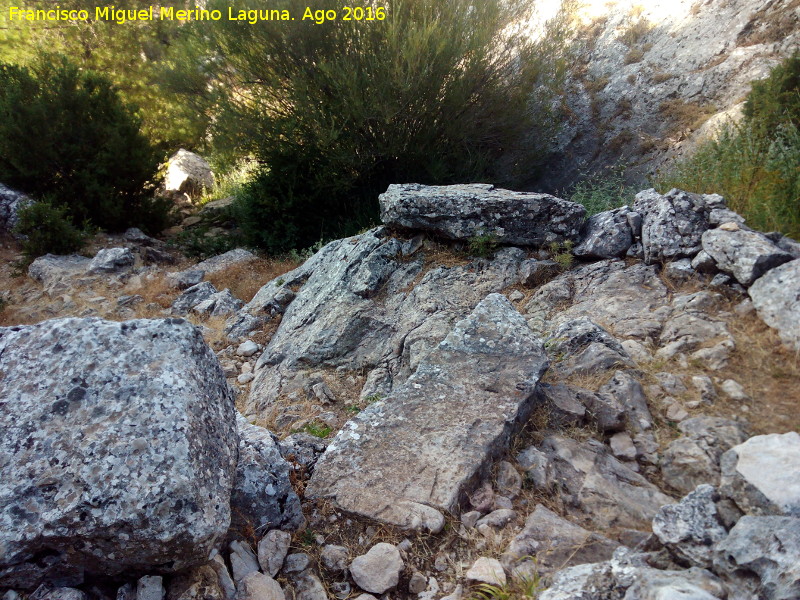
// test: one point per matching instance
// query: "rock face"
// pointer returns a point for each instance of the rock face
(405, 458)
(10, 203)
(188, 173)
(51, 270)
(762, 475)
(461, 212)
(606, 235)
(776, 296)
(127, 432)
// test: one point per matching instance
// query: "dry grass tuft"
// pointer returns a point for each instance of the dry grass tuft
(686, 114)
(245, 279)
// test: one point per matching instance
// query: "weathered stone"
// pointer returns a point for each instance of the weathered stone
(537, 467)
(438, 427)
(703, 262)
(222, 262)
(536, 272)
(690, 528)
(762, 475)
(223, 576)
(461, 212)
(185, 279)
(192, 297)
(563, 408)
(378, 570)
(600, 489)
(693, 459)
(672, 224)
(734, 390)
(628, 392)
(218, 305)
(418, 583)
(509, 481)
(257, 586)
(747, 255)
(297, 562)
(766, 549)
(53, 271)
(154, 466)
(263, 497)
(188, 173)
(335, 558)
(10, 203)
(247, 348)
(549, 543)
(679, 270)
(150, 587)
(243, 560)
(776, 297)
(487, 570)
(111, 260)
(632, 298)
(309, 587)
(622, 446)
(58, 593)
(605, 235)
(497, 518)
(272, 551)
(582, 346)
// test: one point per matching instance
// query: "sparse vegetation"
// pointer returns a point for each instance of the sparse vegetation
(754, 164)
(482, 245)
(47, 228)
(686, 114)
(634, 32)
(634, 55)
(603, 191)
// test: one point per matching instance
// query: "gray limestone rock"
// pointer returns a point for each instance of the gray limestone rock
(762, 475)
(690, 528)
(272, 551)
(243, 560)
(580, 346)
(224, 261)
(263, 497)
(776, 297)
(461, 212)
(257, 586)
(693, 459)
(549, 543)
(562, 407)
(746, 255)
(537, 467)
(438, 432)
(600, 489)
(185, 279)
(188, 173)
(378, 570)
(111, 260)
(155, 462)
(628, 392)
(605, 235)
(536, 272)
(191, 297)
(762, 555)
(487, 570)
(197, 583)
(335, 558)
(150, 587)
(218, 305)
(672, 224)
(54, 272)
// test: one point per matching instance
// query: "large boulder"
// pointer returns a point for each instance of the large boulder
(10, 203)
(776, 296)
(762, 475)
(461, 212)
(746, 255)
(118, 453)
(673, 224)
(606, 235)
(55, 272)
(416, 454)
(188, 173)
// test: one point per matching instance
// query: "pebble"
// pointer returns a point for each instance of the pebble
(247, 348)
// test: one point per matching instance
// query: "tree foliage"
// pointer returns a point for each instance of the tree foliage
(438, 92)
(66, 134)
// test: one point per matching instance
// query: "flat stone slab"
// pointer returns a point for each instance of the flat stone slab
(461, 212)
(407, 459)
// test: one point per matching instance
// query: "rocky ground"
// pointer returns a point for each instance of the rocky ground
(591, 409)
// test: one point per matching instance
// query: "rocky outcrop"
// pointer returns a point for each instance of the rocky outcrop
(53, 272)
(746, 255)
(10, 203)
(462, 212)
(127, 433)
(188, 173)
(413, 456)
(111, 260)
(608, 234)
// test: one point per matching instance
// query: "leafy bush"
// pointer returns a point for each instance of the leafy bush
(47, 229)
(437, 92)
(754, 164)
(603, 191)
(66, 134)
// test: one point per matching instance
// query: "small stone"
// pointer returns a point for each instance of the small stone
(224, 577)
(297, 562)
(272, 550)
(257, 586)
(341, 589)
(335, 558)
(509, 481)
(637, 351)
(379, 569)
(498, 518)
(365, 597)
(482, 499)
(418, 583)
(245, 378)
(516, 296)
(247, 348)
(502, 502)
(671, 383)
(150, 587)
(229, 369)
(704, 385)
(622, 446)
(243, 560)
(676, 413)
(457, 594)
(537, 466)
(323, 393)
(734, 390)
(469, 519)
(487, 570)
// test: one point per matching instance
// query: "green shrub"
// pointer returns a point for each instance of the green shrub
(603, 191)
(67, 135)
(48, 229)
(437, 92)
(754, 164)
(483, 245)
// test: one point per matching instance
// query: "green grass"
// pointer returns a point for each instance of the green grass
(603, 191)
